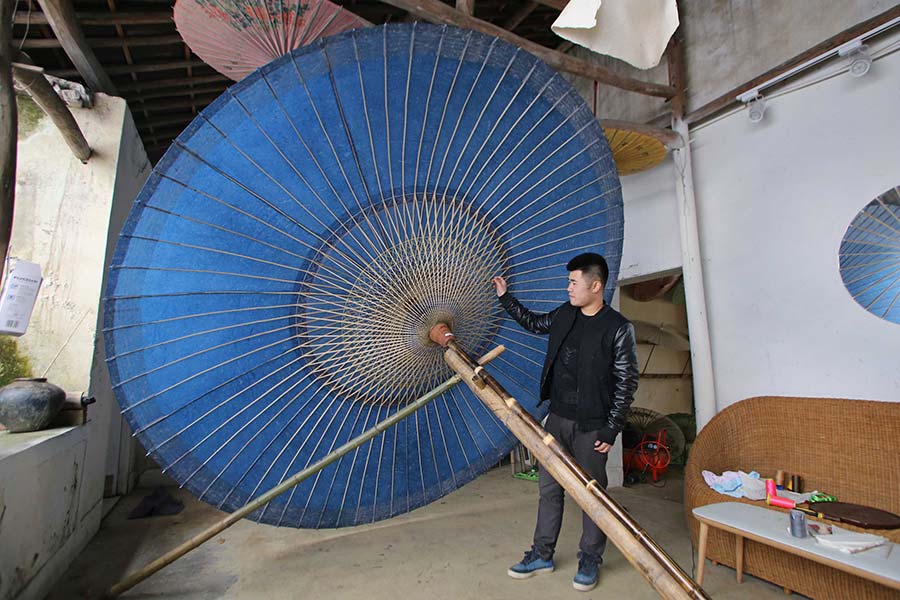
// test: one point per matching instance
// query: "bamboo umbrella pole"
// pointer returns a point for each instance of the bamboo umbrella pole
(651, 561)
(132, 580)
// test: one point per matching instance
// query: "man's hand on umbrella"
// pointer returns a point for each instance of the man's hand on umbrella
(499, 285)
(601, 447)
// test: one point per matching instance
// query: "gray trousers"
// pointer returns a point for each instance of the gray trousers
(580, 444)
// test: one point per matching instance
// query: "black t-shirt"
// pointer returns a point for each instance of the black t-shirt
(564, 386)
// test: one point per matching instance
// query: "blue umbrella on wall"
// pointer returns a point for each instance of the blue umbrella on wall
(273, 287)
(870, 257)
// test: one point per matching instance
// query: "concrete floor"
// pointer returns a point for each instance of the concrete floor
(459, 547)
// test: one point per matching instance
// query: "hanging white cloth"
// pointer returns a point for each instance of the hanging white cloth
(635, 31)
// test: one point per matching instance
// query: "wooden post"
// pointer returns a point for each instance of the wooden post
(61, 16)
(651, 561)
(8, 130)
(40, 90)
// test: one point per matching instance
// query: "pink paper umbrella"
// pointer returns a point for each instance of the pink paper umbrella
(236, 36)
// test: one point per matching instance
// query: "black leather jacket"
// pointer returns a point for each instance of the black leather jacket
(607, 363)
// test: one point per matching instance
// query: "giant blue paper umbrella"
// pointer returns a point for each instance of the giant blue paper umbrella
(273, 288)
(870, 256)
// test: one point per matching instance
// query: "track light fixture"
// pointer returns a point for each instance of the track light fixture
(756, 105)
(858, 55)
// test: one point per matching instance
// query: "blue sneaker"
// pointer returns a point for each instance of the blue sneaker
(530, 565)
(586, 577)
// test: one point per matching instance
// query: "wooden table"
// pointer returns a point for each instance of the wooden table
(771, 528)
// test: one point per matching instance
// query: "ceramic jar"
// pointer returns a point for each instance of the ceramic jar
(29, 404)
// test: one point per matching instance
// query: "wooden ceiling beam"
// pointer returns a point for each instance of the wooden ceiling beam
(140, 68)
(62, 19)
(174, 82)
(173, 104)
(164, 121)
(438, 12)
(163, 136)
(520, 15)
(110, 42)
(156, 17)
(142, 96)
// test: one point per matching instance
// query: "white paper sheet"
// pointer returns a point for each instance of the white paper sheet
(636, 31)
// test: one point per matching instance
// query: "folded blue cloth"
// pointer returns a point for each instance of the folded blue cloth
(730, 483)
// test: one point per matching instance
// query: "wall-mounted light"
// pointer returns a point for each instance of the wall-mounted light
(755, 103)
(858, 55)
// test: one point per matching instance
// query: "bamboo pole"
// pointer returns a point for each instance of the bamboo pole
(651, 561)
(132, 580)
(40, 90)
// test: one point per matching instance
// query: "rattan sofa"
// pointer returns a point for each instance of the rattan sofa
(847, 448)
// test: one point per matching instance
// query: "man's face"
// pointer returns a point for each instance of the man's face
(583, 290)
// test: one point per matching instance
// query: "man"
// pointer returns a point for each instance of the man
(590, 375)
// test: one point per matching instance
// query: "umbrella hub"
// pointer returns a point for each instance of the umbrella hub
(431, 262)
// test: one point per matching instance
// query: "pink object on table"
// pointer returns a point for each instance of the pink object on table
(780, 502)
(770, 488)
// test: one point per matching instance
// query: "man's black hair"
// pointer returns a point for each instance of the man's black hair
(591, 264)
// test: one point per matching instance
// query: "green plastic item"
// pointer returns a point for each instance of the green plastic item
(531, 475)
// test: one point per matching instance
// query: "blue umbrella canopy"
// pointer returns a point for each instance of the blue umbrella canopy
(870, 257)
(273, 287)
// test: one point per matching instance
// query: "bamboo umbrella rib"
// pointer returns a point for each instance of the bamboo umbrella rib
(895, 215)
(265, 223)
(893, 266)
(513, 128)
(859, 227)
(462, 110)
(513, 152)
(394, 229)
(281, 212)
(884, 291)
(200, 315)
(447, 97)
(318, 440)
(309, 377)
(288, 162)
(225, 401)
(318, 476)
(476, 125)
(566, 225)
(521, 222)
(337, 470)
(428, 96)
(382, 245)
(850, 267)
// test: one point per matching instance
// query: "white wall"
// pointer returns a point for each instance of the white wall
(774, 200)
(652, 243)
(51, 482)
